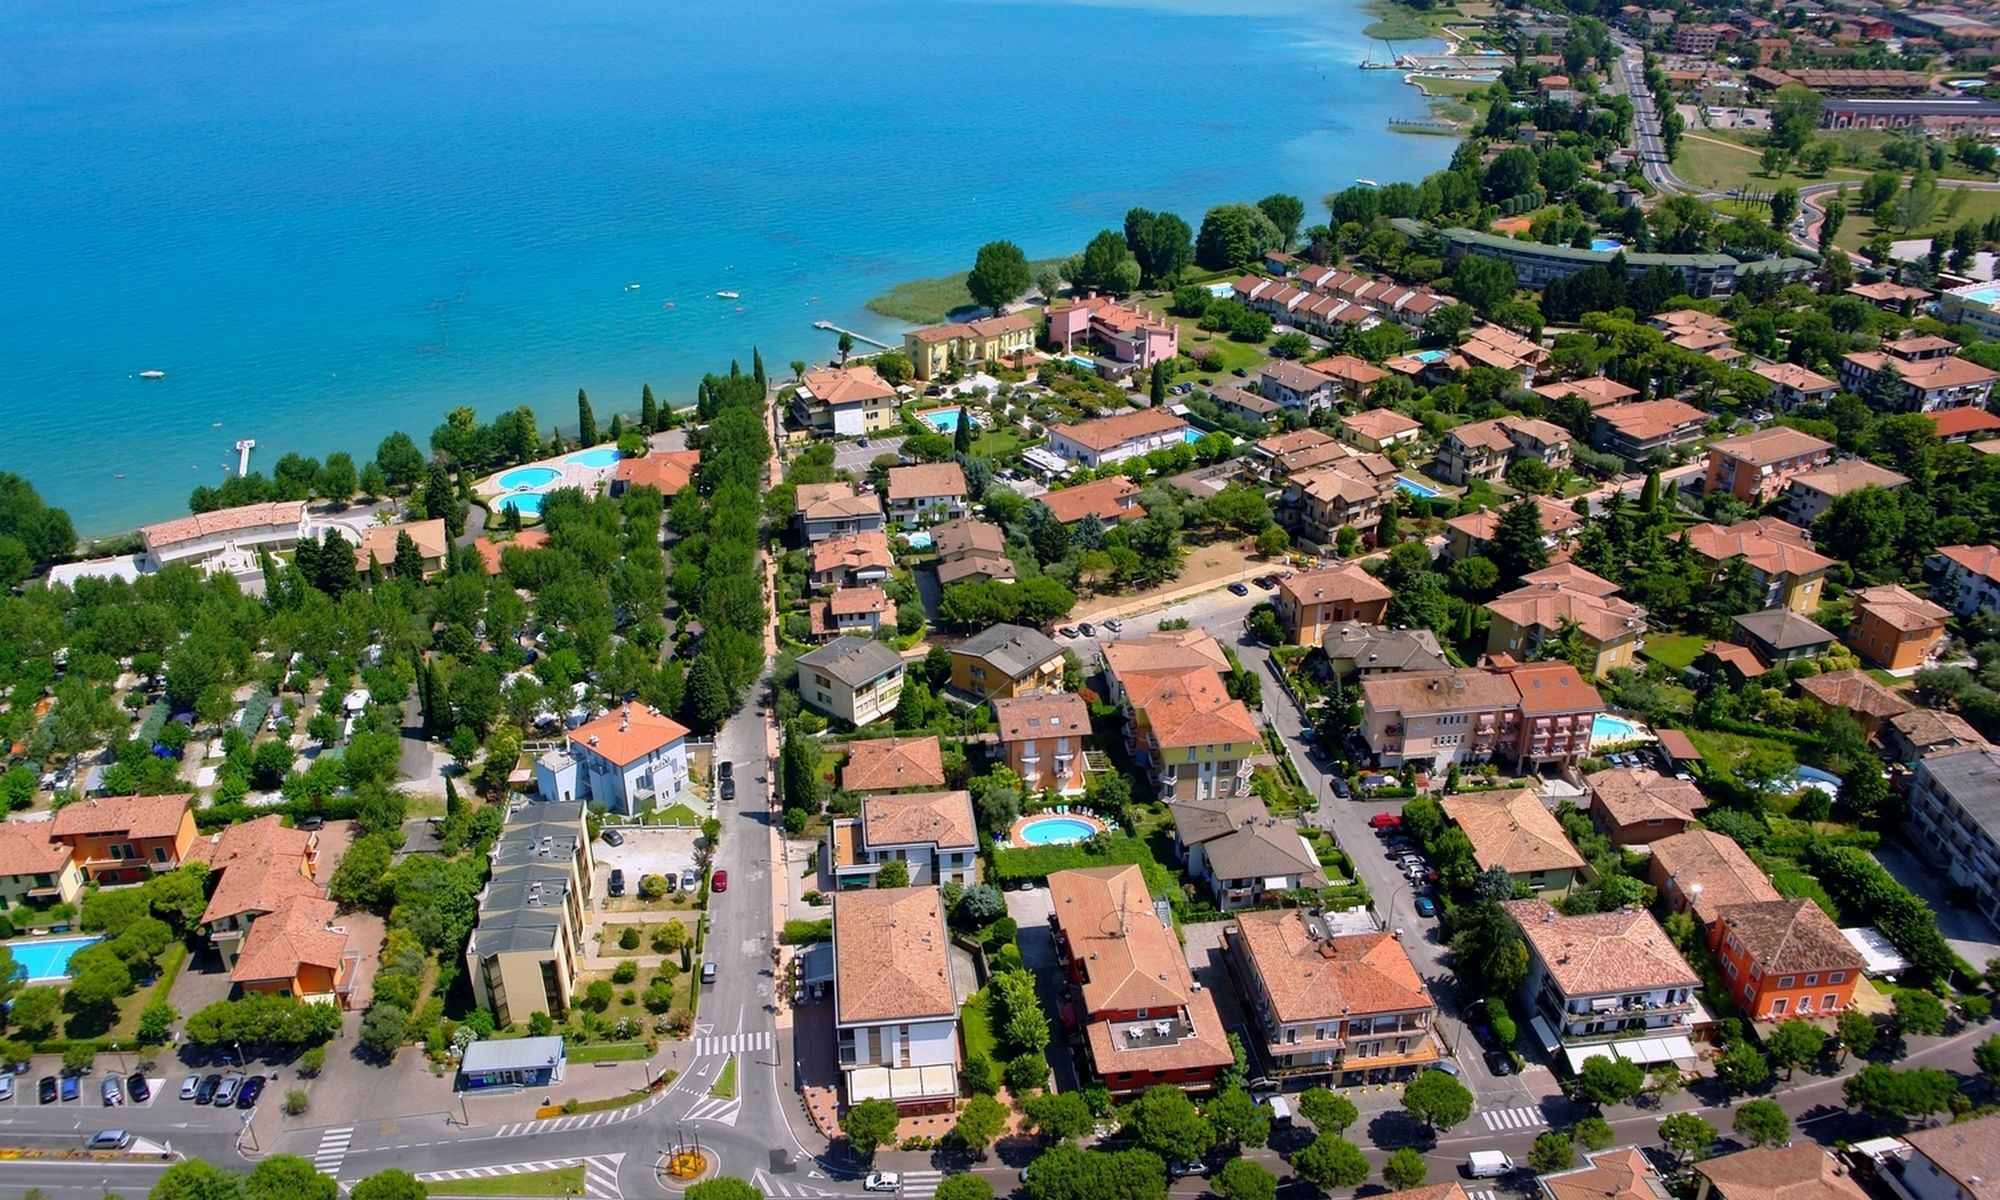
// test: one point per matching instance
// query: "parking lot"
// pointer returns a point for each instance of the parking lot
(647, 850)
(855, 456)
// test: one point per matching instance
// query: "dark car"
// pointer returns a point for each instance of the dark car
(1426, 907)
(1241, 373)
(719, 882)
(253, 1087)
(1086, 629)
(613, 838)
(1237, 589)
(1499, 1062)
(617, 882)
(1341, 789)
(312, 821)
(46, 1089)
(728, 788)
(137, 1087)
(726, 770)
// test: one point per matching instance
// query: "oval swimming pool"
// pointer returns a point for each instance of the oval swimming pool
(521, 477)
(603, 456)
(1057, 831)
(528, 504)
(1605, 727)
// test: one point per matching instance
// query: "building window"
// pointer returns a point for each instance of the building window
(1837, 977)
(1778, 1007)
(1788, 981)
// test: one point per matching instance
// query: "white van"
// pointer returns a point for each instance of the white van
(1488, 1164)
(1281, 1112)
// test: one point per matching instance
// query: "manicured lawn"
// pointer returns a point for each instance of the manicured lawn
(563, 1181)
(725, 1083)
(997, 444)
(676, 814)
(930, 301)
(1978, 206)
(976, 1026)
(610, 1052)
(1711, 162)
(1196, 341)
(1674, 650)
(1719, 750)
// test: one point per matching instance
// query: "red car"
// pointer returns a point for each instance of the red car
(1383, 820)
(719, 882)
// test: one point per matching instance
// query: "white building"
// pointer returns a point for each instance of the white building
(1115, 439)
(1949, 1162)
(931, 833)
(227, 539)
(855, 679)
(630, 760)
(895, 1011)
(1968, 577)
(1606, 983)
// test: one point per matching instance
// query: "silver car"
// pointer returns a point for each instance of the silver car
(226, 1094)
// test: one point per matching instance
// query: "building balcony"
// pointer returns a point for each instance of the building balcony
(1150, 1035)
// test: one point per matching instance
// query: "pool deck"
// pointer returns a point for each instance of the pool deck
(1015, 840)
(569, 474)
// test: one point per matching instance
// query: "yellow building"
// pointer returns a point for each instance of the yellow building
(521, 958)
(941, 348)
(1526, 618)
(35, 869)
(1006, 660)
(856, 679)
(1781, 558)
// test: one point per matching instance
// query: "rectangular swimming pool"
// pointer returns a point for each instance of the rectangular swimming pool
(42, 959)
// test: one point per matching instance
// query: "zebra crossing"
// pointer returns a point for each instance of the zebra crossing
(732, 1043)
(1529, 1117)
(332, 1150)
(920, 1184)
(600, 1174)
(769, 1185)
(610, 1116)
(710, 1108)
(1482, 1195)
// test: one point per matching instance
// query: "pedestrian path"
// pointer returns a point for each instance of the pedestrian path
(774, 1185)
(710, 1108)
(332, 1150)
(732, 1043)
(600, 1174)
(1514, 1118)
(1482, 1195)
(919, 1184)
(610, 1116)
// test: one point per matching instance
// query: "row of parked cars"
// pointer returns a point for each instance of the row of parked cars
(1403, 852)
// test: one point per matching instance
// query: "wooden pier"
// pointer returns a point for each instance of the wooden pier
(830, 327)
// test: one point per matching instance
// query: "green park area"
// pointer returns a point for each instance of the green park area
(935, 300)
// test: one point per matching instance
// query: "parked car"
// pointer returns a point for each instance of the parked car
(1385, 820)
(1341, 790)
(113, 1091)
(46, 1090)
(617, 881)
(689, 880)
(882, 1181)
(1265, 582)
(253, 1087)
(707, 973)
(1499, 1062)
(728, 789)
(138, 1088)
(1086, 629)
(109, 1139)
(1426, 907)
(1068, 631)
(1237, 589)
(312, 821)
(225, 1095)
(726, 769)
(1241, 373)
(6, 1087)
(673, 882)
(190, 1086)
(612, 837)
(205, 1094)
(719, 882)
(1445, 1065)
(71, 1088)
(1114, 624)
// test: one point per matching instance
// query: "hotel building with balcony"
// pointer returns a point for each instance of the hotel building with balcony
(1606, 982)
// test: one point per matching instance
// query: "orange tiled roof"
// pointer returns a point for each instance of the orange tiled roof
(667, 471)
(926, 480)
(25, 849)
(890, 958)
(261, 864)
(881, 764)
(490, 550)
(134, 816)
(1107, 432)
(1100, 496)
(1601, 952)
(298, 933)
(1309, 979)
(628, 734)
(1130, 961)
(1513, 830)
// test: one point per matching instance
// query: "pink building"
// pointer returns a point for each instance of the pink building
(1125, 334)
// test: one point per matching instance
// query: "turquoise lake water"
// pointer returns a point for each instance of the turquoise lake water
(327, 221)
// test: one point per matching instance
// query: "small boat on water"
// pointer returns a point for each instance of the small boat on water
(152, 374)
(1368, 183)
(631, 287)
(729, 295)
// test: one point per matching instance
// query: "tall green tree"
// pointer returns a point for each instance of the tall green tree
(1285, 212)
(999, 274)
(1518, 542)
(1437, 1099)
(586, 421)
(649, 410)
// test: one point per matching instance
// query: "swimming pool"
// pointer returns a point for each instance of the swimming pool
(1606, 245)
(1416, 489)
(1221, 291)
(1813, 777)
(944, 420)
(603, 456)
(39, 960)
(528, 504)
(920, 540)
(1055, 831)
(527, 477)
(1607, 728)
(1985, 293)
(1081, 361)
(1428, 356)
(1192, 436)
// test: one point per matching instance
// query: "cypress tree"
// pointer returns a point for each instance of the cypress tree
(1159, 385)
(649, 410)
(1649, 496)
(452, 804)
(757, 365)
(374, 571)
(586, 421)
(409, 561)
(961, 437)
(437, 492)
(617, 426)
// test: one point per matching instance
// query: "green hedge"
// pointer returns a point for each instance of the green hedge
(799, 933)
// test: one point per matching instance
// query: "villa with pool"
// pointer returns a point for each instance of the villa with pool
(932, 833)
(521, 488)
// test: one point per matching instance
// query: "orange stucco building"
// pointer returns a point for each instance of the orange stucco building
(126, 839)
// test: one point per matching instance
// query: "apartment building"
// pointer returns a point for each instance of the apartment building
(1143, 1016)
(893, 764)
(1244, 855)
(521, 958)
(1473, 532)
(1778, 636)
(1810, 494)
(1634, 806)
(1780, 556)
(1536, 263)
(836, 509)
(1118, 438)
(1894, 628)
(34, 869)
(858, 680)
(1701, 872)
(1598, 391)
(1528, 715)
(1381, 429)
(1006, 660)
(1042, 737)
(1968, 577)
(932, 834)
(1342, 1006)
(1515, 831)
(1603, 980)
(630, 760)
(1297, 386)
(1608, 628)
(1955, 817)
(1127, 336)
(125, 839)
(1953, 1161)
(1922, 732)
(895, 1013)
(963, 346)
(1113, 501)
(1183, 729)
(1355, 649)
(1485, 449)
(1316, 505)
(861, 611)
(1928, 384)
(851, 560)
(1646, 430)
(850, 401)
(1622, 1173)
(1785, 958)
(1794, 387)
(1756, 467)
(926, 493)
(254, 868)
(970, 551)
(1795, 1171)
(1310, 601)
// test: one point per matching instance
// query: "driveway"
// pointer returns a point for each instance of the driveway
(855, 457)
(1963, 928)
(648, 850)
(1030, 911)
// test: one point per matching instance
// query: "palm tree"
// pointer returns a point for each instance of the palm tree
(846, 347)
(799, 369)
